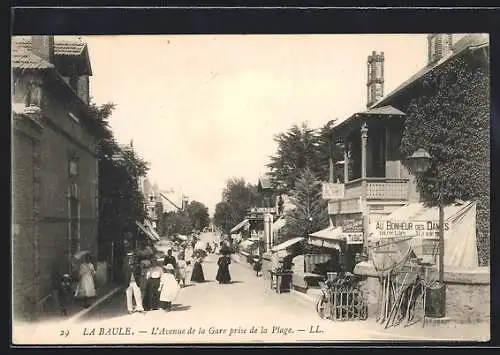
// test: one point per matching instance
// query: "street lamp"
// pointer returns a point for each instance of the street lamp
(419, 162)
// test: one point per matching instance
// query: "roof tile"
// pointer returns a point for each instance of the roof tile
(61, 47)
(24, 59)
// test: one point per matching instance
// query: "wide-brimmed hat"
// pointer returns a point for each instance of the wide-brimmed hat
(169, 267)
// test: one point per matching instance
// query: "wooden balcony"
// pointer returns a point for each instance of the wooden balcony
(377, 189)
(349, 197)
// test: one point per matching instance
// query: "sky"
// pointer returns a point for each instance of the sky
(202, 109)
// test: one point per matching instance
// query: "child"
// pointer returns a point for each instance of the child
(168, 288)
(257, 265)
(65, 294)
(182, 269)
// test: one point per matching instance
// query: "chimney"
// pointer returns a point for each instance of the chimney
(43, 46)
(439, 46)
(375, 83)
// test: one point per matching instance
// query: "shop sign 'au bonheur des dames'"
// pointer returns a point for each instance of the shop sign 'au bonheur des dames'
(422, 229)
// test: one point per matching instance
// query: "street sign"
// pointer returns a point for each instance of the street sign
(354, 238)
(332, 191)
(263, 210)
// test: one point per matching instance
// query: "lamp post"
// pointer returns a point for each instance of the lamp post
(419, 162)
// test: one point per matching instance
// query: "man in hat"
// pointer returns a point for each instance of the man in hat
(133, 291)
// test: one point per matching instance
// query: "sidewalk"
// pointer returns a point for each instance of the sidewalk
(448, 331)
(52, 311)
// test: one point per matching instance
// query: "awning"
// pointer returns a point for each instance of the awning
(280, 223)
(240, 225)
(332, 233)
(146, 231)
(287, 244)
(247, 243)
(421, 224)
(181, 237)
(329, 237)
(151, 229)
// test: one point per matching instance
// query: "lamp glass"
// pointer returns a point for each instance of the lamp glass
(420, 161)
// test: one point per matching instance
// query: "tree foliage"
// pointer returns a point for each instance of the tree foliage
(310, 213)
(121, 202)
(451, 120)
(237, 198)
(302, 147)
(198, 213)
(177, 222)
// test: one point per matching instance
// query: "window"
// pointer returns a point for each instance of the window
(73, 168)
(74, 220)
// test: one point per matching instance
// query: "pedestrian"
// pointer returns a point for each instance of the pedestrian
(168, 288)
(170, 259)
(152, 295)
(64, 293)
(197, 275)
(182, 269)
(86, 286)
(257, 265)
(133, 292)
(223, 275)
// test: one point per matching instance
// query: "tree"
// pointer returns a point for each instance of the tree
(237, 198)
(328, 153)
(296, 151)
(223, 218)
(198, 213)
(177, 223)
(451, 120)
(121, 202)
(310, 213)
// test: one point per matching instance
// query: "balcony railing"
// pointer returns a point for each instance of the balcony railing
(373, 189)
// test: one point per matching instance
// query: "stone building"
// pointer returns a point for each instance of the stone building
(54, 165)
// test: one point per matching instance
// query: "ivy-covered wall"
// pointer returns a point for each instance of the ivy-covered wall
(451, 120)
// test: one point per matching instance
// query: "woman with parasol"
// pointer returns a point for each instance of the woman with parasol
(197, 274)
(223, 275)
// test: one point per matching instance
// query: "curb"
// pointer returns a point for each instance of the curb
(92, 306)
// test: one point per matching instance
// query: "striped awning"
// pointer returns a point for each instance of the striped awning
(146, 231)
(287, 244)
(240, 225)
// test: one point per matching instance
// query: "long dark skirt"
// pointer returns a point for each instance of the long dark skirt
(197, 274)
(223, 275)
(152, 295)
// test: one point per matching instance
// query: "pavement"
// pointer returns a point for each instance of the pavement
(246, 311)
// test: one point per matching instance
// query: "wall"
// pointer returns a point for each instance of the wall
(25, 236)
(467, 292)
(60, 136)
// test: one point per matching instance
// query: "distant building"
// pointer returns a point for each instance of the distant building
(54, 165)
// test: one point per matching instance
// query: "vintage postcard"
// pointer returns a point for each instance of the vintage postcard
(218, 189)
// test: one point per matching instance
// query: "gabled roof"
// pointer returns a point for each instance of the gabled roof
(384, 110)
(62, 48)
(467, 42)
(381, 112)
(24, 59)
